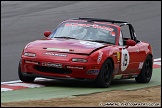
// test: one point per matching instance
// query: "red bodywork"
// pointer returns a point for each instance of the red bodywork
(58, 53)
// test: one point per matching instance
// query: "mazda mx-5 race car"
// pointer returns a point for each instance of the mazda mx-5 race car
(88, 49)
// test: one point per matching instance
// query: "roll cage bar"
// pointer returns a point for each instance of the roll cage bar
(122, 23)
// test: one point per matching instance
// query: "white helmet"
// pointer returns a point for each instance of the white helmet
(79, 32)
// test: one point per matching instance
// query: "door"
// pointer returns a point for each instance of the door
(129, 55)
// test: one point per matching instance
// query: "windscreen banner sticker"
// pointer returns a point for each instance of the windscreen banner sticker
(125, 58)
(90, 25)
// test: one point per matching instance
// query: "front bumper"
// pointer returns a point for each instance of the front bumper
(59, 69)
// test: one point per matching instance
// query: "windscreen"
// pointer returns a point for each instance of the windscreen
(86, 31)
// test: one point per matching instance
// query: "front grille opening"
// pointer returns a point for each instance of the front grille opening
(29, 72)
(53, 70)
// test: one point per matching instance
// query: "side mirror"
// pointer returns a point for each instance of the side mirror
(130, 42)
(47, 33)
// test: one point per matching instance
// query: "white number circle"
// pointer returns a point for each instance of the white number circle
(125, 58)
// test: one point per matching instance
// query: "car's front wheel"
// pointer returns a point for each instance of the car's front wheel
(105, 75)
(146, 71)
(24, 78)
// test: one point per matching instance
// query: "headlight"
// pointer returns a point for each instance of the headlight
(30, 54)
(79, 60)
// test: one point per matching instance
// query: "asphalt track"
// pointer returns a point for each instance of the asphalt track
(25, 21)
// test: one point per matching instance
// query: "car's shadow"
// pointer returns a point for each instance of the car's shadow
(82, 84)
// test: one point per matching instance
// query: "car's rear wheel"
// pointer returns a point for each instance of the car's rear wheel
(146, 71)
(105, 75)
(24, 78)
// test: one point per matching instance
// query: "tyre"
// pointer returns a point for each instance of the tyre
(146, 71)
(24, 78)
(104, 77)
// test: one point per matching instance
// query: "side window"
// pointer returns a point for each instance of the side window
(126, 34)
(125, 31)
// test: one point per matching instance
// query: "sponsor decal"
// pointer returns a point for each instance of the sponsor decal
(55, 54)
(129, 76)
(75, 67)
(93, 71)
(125, 76)
(134, 75)
(99, 57)
(140, 65)
(118, 56)
(90, 25)
(90, 43)
(58, 49)
(112, 33)
(48, 64)
(117, 77)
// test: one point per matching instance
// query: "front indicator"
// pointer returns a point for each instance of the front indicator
(30, 54)
(31, 62)
(79, 60)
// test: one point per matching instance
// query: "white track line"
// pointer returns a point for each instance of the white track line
(17, 81)
(6, 89)
(157, 63)
(8, 82)
(26, 85)
(157, 59)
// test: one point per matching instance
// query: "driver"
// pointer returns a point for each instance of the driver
(78, 32)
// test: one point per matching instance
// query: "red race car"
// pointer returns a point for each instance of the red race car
(88, 49)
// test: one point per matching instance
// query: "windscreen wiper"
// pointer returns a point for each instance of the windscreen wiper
(66, 37)
(100, 41)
